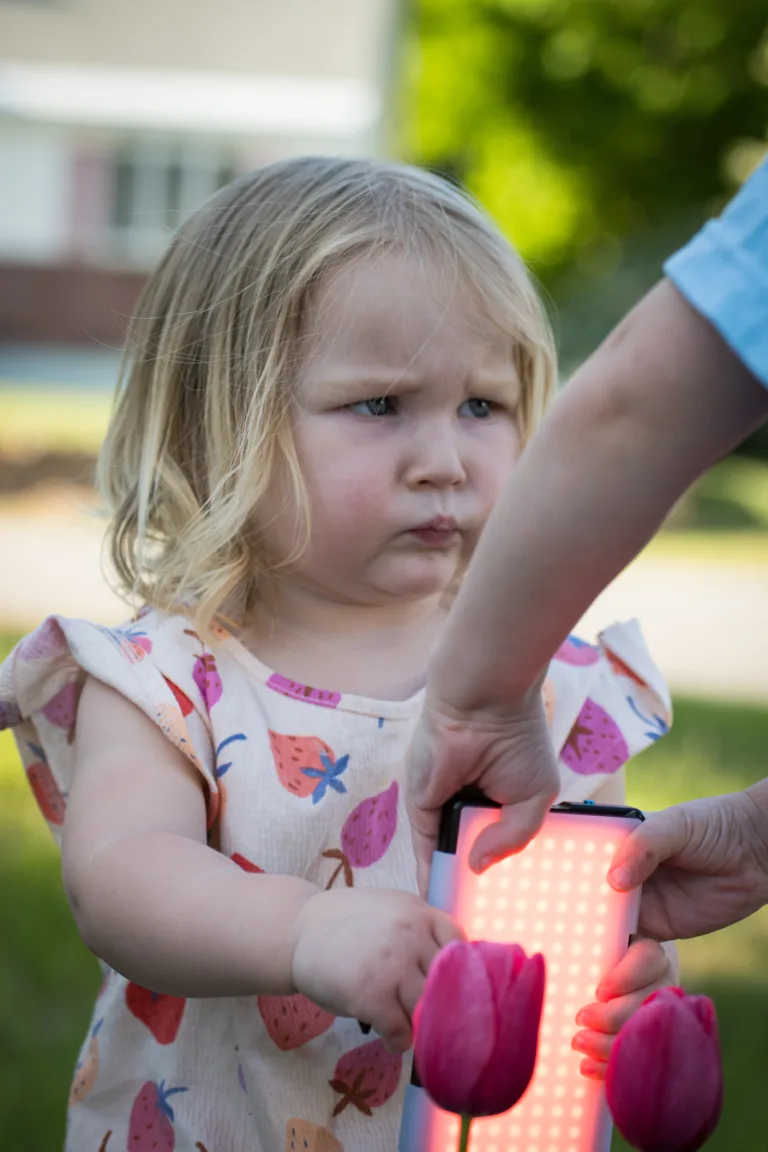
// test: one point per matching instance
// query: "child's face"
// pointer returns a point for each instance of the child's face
(405, 426)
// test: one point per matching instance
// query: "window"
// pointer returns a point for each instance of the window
(154, 189)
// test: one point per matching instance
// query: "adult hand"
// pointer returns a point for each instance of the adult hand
(703, 865)
(509, 757)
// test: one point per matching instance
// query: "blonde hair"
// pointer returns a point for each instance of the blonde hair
(202, 411)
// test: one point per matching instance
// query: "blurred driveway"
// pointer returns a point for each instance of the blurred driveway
(706, 623)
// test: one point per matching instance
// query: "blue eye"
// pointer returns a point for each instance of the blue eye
(378, 406)
(480, 409)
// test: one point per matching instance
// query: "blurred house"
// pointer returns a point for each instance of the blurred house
(118, 118)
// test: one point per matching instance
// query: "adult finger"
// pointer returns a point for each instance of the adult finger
(661, 836)
(517, 824)
(425, 825)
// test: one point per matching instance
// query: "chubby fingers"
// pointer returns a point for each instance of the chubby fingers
(612, 1015)
(394, 1024)
(593, 1069)
(444, 930)
(392, 1017)
(643, 964)
(645, 968)
(594, 1045)
(609, 1017)
(602, 1023)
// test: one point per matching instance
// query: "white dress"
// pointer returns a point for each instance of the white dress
(300, 781)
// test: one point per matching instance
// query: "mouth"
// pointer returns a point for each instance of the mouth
(440, 532)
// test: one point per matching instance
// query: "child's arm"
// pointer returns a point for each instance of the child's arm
(147, 893)
(168, 912)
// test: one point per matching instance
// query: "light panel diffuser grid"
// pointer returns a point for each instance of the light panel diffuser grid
(551, 898)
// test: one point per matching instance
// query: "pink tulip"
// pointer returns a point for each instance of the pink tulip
(664, 1081)
(477, 1026)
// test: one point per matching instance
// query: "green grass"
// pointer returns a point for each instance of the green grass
(715, 748)
(724, 519)
(52, 419)
(48, 979)
(734, 495)
(700, 546)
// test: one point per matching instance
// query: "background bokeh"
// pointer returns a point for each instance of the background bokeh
(599, 133)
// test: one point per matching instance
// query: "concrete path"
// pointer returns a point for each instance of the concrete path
(50, 562)
(706, 623)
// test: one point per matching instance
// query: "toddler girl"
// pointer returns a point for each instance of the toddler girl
(328, 380)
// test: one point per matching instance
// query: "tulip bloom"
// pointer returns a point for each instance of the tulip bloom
(664, 1081)
(477, 1026)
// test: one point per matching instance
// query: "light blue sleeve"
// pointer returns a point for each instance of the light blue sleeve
(723, 273)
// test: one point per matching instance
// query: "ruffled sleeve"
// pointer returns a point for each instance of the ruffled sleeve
(605, 702)
(145, 661)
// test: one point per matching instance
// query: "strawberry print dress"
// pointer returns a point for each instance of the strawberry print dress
(300, 781)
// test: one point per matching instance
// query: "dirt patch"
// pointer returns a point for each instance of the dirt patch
(25, 473)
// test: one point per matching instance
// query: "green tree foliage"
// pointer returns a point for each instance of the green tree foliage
(599, 133)
(581, 121)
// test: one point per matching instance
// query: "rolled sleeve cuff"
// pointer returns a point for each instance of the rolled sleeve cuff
(723, 273)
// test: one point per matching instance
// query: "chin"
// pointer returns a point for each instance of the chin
(420, 581)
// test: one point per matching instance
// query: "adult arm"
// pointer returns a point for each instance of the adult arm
(661, 401)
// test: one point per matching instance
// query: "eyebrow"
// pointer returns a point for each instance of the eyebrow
(374, 385)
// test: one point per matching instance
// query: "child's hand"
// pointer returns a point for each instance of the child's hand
(365, 954)
(645, 968)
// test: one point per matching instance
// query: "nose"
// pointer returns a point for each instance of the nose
(435, 457)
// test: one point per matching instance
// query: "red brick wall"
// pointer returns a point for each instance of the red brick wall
(66, 303)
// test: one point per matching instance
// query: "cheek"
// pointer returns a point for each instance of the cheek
(496, 461)
(345, 504)
(347, 485)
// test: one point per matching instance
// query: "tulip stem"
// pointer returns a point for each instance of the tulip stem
(464, 1138)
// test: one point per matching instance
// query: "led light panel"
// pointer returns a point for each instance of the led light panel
(551, 898)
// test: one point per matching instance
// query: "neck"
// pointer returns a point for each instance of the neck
(369, 650)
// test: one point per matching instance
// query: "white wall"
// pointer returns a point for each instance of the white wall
(35, 194)
(299, 37)
(82, 67)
